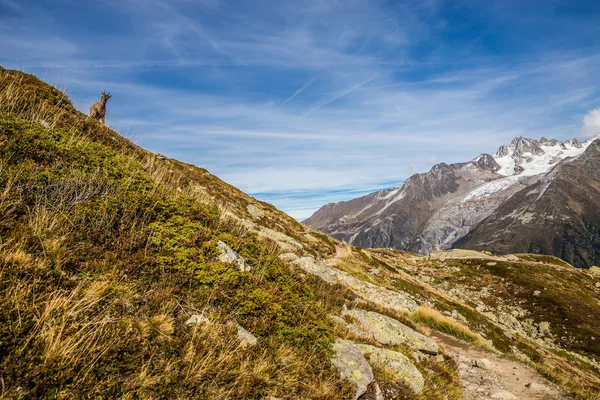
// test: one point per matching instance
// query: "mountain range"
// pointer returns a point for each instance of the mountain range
(537, 196)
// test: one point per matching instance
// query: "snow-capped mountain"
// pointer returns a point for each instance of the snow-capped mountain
(447, 205)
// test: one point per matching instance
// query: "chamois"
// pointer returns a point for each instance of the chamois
(98, 109)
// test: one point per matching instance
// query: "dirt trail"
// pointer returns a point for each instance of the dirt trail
(341, 251)
(503, 379)
(498, 379)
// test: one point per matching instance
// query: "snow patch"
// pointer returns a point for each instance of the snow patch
(489, 188)
(397, 194)
(538, 164)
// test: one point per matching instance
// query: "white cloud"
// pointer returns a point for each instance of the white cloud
(591, 123)
(433, 160)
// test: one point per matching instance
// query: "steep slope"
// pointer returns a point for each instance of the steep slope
(125, 274)
(106, 250)
(559, 214)
(443, 205)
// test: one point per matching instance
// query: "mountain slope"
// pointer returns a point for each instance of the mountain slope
(106, 250)
(125, 274)
(440, 207)
(558, 215)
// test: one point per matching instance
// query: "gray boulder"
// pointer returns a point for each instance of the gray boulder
(246, 338)
(197, 319)
(254, 211)
(389, 331)
(337, 320)
(396, 363)
(458, 316)
(482, 363)
(544, 328)
(351, 365)
(289, 257)
(231, 257)
(395, 300)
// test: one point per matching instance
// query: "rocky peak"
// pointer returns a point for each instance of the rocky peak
(523, 146)
(486, 162)
(574, 143)
(503, 150)
(549, 142)
(439, 168)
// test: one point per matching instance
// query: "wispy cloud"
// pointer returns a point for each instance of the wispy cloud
(339, 96)
(302, 89)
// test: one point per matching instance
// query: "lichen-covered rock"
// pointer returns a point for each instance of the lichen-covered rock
(352, 365)
(310, 238)
(396, 363)
(246, 338)
(396, 300)
(544, 328)
(389, 331)
(308, 265)
(337, 320)
(231, 257)
(285, 242)
(458, 316)
(373, 392)
(254, 211)
(289, 257)
(197, 319)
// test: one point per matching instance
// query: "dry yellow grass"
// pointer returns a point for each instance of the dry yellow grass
(440, 322)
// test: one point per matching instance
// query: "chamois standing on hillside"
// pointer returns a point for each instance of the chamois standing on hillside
(98, 109)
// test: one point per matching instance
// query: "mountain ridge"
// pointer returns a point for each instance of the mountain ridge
(439, 207)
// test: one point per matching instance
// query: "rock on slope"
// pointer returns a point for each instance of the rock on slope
(448, 203)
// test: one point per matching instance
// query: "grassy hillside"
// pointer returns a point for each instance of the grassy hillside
(106, 250)
(505, 299)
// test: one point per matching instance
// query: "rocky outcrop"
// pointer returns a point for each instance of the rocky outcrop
(229, 256)
(379, 295)
(397, 364)
(196, 319)
(285, 242)
(352, 365)
(254, 211)
(389, 331)
(487, 163)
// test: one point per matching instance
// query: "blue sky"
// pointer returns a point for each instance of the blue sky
(301, 103)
